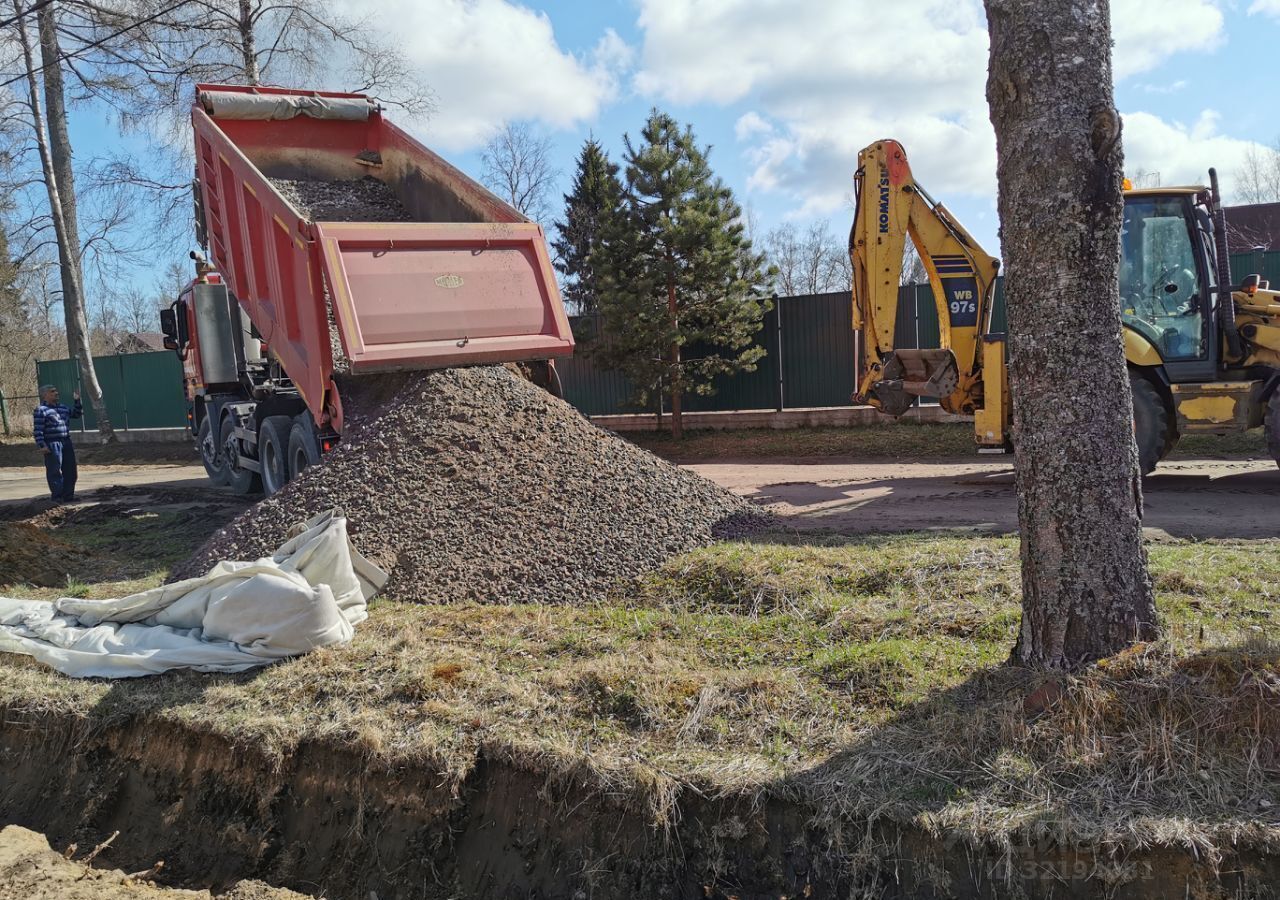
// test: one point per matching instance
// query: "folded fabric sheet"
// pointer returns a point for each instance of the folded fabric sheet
(311, 593)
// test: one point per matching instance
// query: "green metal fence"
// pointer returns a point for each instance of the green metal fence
(141, 390)
(809, 348)
(809, 361)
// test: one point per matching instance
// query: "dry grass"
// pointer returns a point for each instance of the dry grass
(863, 678)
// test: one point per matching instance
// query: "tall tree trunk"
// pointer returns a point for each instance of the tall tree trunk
(248, 44)
(55, 160)
(673, 310)
(1086, 592)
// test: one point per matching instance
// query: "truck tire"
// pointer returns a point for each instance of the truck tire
(304, 451)
(273, 452)
(1151, 429)
(210, 453)
(1273, 426)
(241, 481)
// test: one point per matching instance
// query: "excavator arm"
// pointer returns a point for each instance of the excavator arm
(892, 207)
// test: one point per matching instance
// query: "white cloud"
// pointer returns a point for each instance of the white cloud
(1171, 88)
(1265, 7)
(751, 124)
(1147, 34)
(489, 61)
(827, 82)
(1180, 153)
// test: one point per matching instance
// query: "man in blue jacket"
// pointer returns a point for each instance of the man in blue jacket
(53, 436)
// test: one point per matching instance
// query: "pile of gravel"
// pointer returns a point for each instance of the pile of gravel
(473, 484)
(363, 200)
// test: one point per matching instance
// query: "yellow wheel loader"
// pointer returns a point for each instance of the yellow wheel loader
(1203, 353)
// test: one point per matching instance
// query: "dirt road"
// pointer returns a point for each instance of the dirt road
(1184, 498)
(23, 483)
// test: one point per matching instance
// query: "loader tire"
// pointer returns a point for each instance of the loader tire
(1151, 429)
(1273, 426)
(241, 481)
(210, 453)
(273, 452)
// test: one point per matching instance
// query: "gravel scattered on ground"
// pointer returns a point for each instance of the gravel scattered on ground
(473, 484)
(363, 200)
(31, 870)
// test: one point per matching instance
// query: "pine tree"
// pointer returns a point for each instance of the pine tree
(676, 270)
(595, 196)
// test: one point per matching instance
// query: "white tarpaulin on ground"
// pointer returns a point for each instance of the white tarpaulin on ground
(311, 593)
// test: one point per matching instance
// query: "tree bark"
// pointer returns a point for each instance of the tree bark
(673, 310)
(1086, 590)
(248, 44)
(55, 159)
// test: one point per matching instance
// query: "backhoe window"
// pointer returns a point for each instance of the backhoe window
(1159, 289)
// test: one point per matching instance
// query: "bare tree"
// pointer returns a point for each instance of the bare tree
(518, 168)
(913, 270)
(54, 147)
(1258, 179)
(808, 262)
(1086, 591)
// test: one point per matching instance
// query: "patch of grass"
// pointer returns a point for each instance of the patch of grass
(861, 677)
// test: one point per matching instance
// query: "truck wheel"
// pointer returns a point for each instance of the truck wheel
(210, 454)
(1150, 423)
(241, 481)
(304, 452)
(273, 452)
(1273, 426)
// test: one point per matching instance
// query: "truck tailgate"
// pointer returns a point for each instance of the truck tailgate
(432, 295)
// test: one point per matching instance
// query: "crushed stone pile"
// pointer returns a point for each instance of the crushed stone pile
(362, 200)
(474, 484)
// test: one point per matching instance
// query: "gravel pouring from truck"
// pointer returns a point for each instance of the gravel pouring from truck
(466, 280)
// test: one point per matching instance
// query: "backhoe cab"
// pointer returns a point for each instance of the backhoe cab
(1203, 354)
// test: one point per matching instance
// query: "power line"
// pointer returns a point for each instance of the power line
(7, 22)
(98, 43)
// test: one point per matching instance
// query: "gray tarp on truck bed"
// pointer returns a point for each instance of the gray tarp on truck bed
(237, 105)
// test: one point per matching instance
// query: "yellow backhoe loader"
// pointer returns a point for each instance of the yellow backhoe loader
(1203, 353)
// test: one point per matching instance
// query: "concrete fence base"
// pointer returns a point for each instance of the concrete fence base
(817, 417)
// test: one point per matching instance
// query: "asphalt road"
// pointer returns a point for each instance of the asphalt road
(1184, 499)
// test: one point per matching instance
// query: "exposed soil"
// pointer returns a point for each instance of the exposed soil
(90, 452)
(364, 200)
(331, 823)
(31, 870)
(473, 484)
(30, 555)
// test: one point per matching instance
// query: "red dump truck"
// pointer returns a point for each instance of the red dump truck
(450, 276)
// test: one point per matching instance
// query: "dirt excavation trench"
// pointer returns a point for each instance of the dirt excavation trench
(325, 823)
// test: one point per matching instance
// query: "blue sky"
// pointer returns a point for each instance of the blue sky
(787, 92)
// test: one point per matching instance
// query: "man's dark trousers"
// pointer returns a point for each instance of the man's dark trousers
(60, 468)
